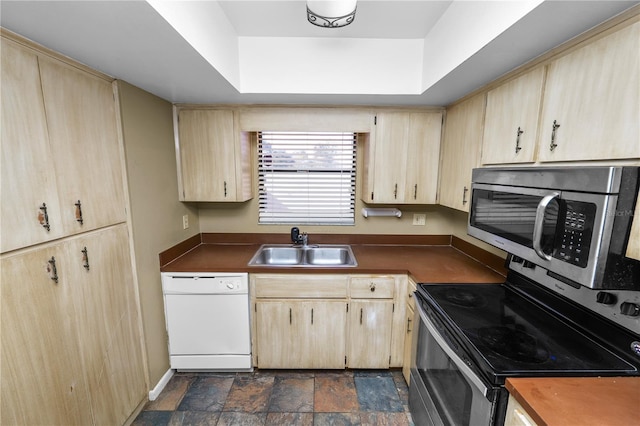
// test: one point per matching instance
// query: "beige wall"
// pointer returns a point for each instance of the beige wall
(155, 210)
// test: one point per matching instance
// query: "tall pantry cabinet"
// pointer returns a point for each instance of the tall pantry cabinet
(71, 336)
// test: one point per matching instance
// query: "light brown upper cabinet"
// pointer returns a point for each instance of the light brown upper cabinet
(402, 158)
(61, 164)
(28, 178)
(511, 120)
(591, 107)
(83, 134)
(214, 159)
(460, 153)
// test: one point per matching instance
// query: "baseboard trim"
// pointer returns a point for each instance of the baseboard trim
(155, 392)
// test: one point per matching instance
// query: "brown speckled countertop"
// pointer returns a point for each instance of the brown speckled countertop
(428, 263)
(583, 401)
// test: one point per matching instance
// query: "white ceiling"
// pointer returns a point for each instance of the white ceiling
(416, 52)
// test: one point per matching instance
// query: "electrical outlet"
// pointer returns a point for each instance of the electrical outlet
(185, 221)
(419, 219)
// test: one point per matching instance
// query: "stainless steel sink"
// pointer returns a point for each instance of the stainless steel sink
(270, 255)
(311, 256)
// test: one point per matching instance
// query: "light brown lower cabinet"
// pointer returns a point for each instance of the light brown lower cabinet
(71, 347)
(326, 321)
(410, 322)
(406, 364)
(517, 415)
(370, 324)
(301, 334)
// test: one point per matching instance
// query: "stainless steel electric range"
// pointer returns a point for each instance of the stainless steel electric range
(546, 319)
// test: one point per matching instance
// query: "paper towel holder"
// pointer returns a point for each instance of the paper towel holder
(388, 212)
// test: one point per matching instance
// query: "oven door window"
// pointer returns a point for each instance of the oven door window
(450, 397)
(512, 216)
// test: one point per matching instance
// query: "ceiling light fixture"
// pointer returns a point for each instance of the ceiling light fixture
(331, 13)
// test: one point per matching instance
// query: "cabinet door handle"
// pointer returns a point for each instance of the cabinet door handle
(409, 325)
(43, 217)
(415, 191)
(372, 287)
(85, 258)
(464, 195)
(311, 316)
(52, 270)
(395, 191)
(554, 128)
(79, 218)
(360, 316)
(518, 133)
(290, 319)
(225, 189)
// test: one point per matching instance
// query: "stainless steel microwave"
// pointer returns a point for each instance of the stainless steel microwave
(575, 222)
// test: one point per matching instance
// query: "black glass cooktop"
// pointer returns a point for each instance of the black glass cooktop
(510, 336)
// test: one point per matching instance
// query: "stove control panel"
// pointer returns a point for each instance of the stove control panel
(620, 306)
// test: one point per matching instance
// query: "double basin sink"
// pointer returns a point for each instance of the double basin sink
(311, 256)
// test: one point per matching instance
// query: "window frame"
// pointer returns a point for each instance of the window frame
(300, 173)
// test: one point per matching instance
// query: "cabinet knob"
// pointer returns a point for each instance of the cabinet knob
(518, 133)
(85, 258)
(52, 270)
(372, 287)
(43, 217)
(79, 218)
(554, 128)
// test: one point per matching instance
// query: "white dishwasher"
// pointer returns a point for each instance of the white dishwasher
(207, 316)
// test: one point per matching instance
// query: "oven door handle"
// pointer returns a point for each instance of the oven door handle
(538, 225)
(464, 368)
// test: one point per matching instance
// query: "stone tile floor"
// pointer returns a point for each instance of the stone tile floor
(281, 397)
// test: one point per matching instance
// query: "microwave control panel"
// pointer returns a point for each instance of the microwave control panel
(574, 239)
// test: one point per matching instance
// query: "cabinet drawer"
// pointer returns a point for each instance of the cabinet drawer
(299, 286)
(372, 287)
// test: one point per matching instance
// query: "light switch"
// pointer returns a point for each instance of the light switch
(185, 221)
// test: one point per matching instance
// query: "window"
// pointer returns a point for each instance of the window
(307, 177)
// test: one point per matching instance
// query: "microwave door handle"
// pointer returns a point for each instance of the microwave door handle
(464, 368)
(538, 226)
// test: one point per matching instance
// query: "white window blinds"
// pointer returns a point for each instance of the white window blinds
(307, 178)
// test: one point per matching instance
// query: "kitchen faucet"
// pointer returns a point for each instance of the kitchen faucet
(299, 238)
